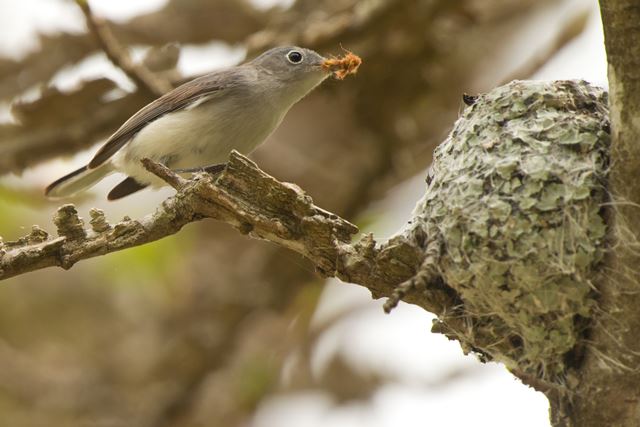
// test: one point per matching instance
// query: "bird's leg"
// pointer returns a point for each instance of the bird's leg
(212, 169)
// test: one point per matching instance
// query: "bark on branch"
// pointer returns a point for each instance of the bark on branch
(119, 56)
(243, 196)
(510, 230)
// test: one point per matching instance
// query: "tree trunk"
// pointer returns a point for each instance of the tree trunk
(607, 392)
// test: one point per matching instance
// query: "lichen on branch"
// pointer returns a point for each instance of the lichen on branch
(516, 200)
(243, 196)
(502, 247)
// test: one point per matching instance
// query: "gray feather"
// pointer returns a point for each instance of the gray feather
(200, 122)
(195, 91)
(77, 181)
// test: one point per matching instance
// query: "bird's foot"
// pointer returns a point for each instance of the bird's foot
(212, 169)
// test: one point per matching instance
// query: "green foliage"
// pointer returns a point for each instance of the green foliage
(258, 377)
(147, 264)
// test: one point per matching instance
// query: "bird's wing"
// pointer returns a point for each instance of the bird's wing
(184, 96)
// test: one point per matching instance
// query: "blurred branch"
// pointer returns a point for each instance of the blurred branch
(120, 57)
(244, 197)
(434, 68)
(394, 156)
(412, 266)
(323, 24)
(59, 123)
(63, 122)
(180, 21)
(28, 379)
(571, 29)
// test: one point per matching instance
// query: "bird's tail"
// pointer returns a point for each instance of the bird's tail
(77, 181)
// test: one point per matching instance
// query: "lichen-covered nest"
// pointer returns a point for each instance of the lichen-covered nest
(514, 203)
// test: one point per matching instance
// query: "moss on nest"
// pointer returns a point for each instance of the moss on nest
(515, 200)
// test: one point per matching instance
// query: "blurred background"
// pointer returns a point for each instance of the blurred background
(211, 328)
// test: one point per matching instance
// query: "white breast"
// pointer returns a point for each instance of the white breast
(201, 136)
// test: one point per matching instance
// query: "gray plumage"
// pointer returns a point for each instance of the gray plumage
(199, 123)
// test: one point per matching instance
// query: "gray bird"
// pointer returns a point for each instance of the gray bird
(199, 123)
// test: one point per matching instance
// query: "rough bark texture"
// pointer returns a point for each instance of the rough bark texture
(607, 392)
(395, 129)
(508, 233)
(513, 209)
(202, 347)
(243, 196)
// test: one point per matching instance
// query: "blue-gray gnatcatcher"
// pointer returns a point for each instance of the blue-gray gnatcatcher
(199, 123)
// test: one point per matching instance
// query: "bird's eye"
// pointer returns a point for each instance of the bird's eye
(295, 57)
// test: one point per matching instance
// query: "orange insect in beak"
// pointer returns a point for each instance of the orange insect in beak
(341, 67)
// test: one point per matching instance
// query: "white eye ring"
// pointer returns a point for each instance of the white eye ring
(295, 56)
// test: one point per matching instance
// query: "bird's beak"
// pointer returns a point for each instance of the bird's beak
(319, 63)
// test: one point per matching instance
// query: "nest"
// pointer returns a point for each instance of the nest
(514, 203)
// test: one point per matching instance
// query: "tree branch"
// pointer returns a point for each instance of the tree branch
(509, 232)
(22, 147)
(119, 56)
(61, 122)
(244, 197)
